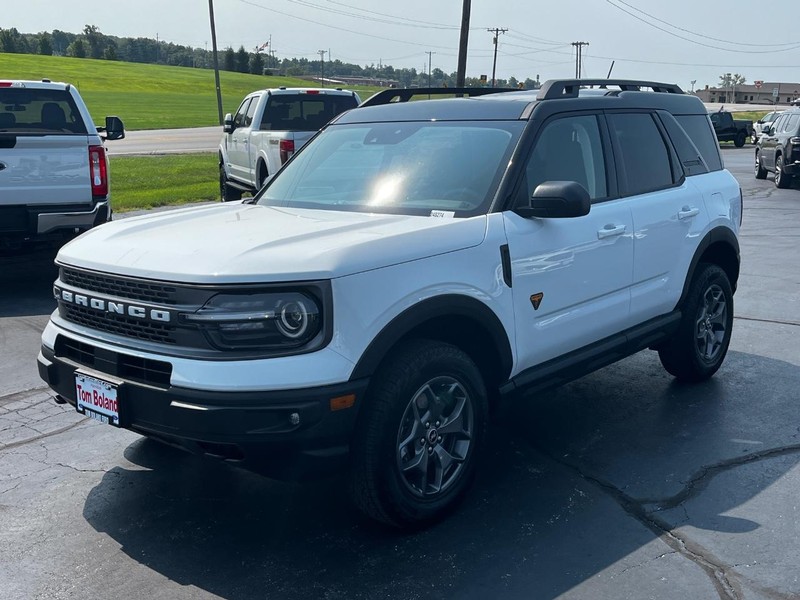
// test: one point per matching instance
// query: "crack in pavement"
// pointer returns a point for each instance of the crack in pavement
(40, 437)
(14, 396)
(720, 574)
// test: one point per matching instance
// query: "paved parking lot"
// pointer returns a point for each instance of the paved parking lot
(622, 484)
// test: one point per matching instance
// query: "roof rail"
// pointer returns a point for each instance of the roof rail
(568, 88)
(405, 94)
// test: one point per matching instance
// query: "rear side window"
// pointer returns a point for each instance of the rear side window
(38, 111)
(701, 133)
(645, 160)
(791, 123)
(303, 112)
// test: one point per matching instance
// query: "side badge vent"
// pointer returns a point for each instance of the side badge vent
(536, 300)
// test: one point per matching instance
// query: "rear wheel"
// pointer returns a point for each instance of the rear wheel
(761, 172)
(227, 192)
(700, 344)
(740, 139)
(418, 438)
(782, 180)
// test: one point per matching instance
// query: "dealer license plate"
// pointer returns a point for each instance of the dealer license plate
(97, 398)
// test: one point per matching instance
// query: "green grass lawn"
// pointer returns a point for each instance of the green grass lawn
(141, 182)
(146, 96)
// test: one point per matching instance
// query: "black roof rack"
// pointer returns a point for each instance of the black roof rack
(405, 94)
(568, 88)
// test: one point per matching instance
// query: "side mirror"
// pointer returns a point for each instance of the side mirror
(557, 200)
(227, 124)
(114, 129)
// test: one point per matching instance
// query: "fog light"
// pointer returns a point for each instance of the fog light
(294, 419)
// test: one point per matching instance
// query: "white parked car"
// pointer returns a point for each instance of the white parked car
(763, 123)
(268, 128)
(410, 266)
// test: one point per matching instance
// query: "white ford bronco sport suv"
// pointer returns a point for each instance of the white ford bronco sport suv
(53, 166)
(410, 266)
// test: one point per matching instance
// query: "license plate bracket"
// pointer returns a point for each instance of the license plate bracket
(98, 397)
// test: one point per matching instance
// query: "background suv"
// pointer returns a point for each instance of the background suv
(778, 149)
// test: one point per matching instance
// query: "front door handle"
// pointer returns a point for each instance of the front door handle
(687, 213)
(610, 230)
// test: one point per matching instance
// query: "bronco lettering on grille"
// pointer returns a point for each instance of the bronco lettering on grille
(108, 306)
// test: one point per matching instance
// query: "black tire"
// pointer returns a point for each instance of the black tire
(427, 405)
(227, 192)
(700, 344)
(740, 139)
(782, 180)
(261, 175)
(761, 172)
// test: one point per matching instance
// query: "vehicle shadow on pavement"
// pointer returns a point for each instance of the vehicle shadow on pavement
(26, 283)
(578, 489)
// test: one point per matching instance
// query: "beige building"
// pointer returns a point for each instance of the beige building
(768, 92)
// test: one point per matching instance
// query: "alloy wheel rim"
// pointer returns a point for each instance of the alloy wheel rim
(712, 324)
(435, 437)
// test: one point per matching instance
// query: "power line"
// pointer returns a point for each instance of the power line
(673, 34)
(703, 35)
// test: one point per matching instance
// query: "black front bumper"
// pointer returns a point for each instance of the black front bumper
(288, 434)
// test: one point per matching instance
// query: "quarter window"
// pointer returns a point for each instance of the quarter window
(644, 159)
(569, 149)
(701, 133)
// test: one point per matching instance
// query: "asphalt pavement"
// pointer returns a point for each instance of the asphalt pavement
(621, 485)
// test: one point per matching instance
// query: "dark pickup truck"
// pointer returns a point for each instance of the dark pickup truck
(729, 129)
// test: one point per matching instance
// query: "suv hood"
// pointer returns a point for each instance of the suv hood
(242, 243)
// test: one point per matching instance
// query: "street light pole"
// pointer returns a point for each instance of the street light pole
(461, 75)
(216, 61)
(322, 65)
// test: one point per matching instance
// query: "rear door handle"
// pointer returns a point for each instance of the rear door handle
(610, 230)
(687, 213)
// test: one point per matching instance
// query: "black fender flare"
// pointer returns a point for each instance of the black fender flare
(718, 235)
(438, 307)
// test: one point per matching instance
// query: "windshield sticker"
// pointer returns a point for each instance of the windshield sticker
(443, 214)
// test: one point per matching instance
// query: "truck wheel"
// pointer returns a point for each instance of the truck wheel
(418, 438)
(761, 172)
(782, 181)
(700, 344)
(226, 191)
(261, 175)
(740, 139)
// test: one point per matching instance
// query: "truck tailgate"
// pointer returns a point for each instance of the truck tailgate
(44, 169)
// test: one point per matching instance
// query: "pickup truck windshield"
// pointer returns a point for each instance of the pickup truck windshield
(406, 168)
(39, 111)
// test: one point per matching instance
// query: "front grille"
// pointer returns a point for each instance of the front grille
(119, 324)
(124, 366)
(122, 287)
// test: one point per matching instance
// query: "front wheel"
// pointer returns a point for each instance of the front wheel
(782, 181)
(761, 172)
(698, 348)
(418, 438)
(227, 192)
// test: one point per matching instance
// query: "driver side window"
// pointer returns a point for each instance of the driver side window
(569, 149)
(238, 120)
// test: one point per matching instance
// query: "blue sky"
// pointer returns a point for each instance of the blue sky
(677, 41)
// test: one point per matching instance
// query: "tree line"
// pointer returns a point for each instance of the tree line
(92, 43)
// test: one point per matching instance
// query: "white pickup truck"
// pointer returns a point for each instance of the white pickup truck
(268, 128)
(53, 166)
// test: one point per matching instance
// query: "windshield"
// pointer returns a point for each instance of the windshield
(415, 168)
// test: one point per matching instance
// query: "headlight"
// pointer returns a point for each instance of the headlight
(268, 321)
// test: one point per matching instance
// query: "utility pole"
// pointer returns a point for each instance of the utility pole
(322, 65)
(578, 57)
(430, 54)
(497, 31)
(462, 45)
(216, 61)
